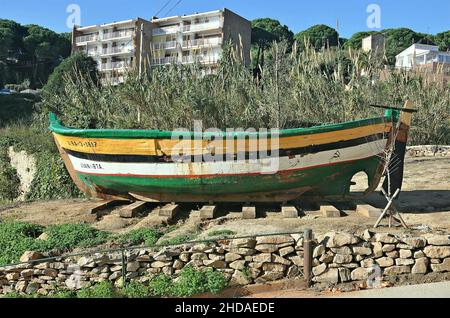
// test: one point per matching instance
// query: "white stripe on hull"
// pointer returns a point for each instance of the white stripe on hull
(267, 166)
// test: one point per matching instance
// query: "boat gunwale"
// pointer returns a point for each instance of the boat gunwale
(57, 128)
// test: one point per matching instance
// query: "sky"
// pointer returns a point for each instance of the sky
(430, 16)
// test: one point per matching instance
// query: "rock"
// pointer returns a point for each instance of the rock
(215, 264)
(385, 261)
(32, 288)
(244, 251)
(293, 271)
(239, 279)
(388, 248)
(443, 267)
(421, 266)
(267, 248)
(404, 261)
(280, 240)
(286, 250)
(231, 257)
(238, 265)
(397, 270)
(360, 273)
(21, 287)
(87, 262)
(327, 258)
(216, 257)
(50, 272)
(200, 248)
(177, 264)
(350, 265)
(334, 239)
(330, 276)
(360, 250)
(133, 266)
(385, 238)
(273, 267)
(245, 243)
(415, 242)
(12, 276)
(255, 265)
(345, 250)
(184, 257)
(297, 260)
(435, 261)
(199, 257)
(377, 249)
(359, 258)
(367, 235)
(344, 275)
(319, 270)
(43, 237)
(319, 251)
(419, 254)
(402, 246)
(342, 259)
(393, 254)
(437, 251)
(159, 264)
(405, 253)
(439, 240)
(30, 256)
(280, 260)
(263, 258)
(270, 277)
(27, 273)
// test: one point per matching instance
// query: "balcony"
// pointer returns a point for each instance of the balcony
(117, 50)
(165, 60)
(164, 45)
(203, 42)
(86, 38)
(202, 27)
(118, 35)
(203, 59)
(120, 65)
(166, 30)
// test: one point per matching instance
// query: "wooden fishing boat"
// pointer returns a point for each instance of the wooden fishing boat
(317, 162)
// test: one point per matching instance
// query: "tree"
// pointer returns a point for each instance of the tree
(398, 40)
(443, 40)
(319, 36)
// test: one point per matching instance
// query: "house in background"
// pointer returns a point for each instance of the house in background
(139, 43)
(374, 43)
(424, 57)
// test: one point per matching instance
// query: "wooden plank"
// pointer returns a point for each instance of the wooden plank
(208, 212)
(104, 205)
(289, 212)
(132, 210)
(169, 211)
(330, 211)
(249, 212)
(368, 211)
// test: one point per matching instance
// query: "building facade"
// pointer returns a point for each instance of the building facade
(423, 56)
(139, 43)
(374, 43)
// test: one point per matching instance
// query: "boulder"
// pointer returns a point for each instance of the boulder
(386, 238)
(286, 250)
(330, 276)
(263, 258)
(420, 266)
(32, 288)
(327, 258)
(240, 279)
(270, 277)
(405, 254)
(280, 260)
(199, 257)
(419, 254)
(404, 261)
(297, 260)
(273, 267)
(319, 250)
(133, 266)
(360, 273)
(377, 249)
(443, 267)
(439, 240)
(215, 264)
(244, 243)
(178, 264)
(159, 264)
(345, 250)
(360, 250)
(319, 270)
(43, 237)
(243, 251)
(342, 259)
(415, 242)
(393, 254)
(12, 276)
(334, 239)
(266, 248)
(388, 248)
(86, 261)
(21, 286)
(30, 256)
(344, 275)
(437, 251)
(385, 261)
(397, 270)
(231, 257)
(238, 265)
(280, 240)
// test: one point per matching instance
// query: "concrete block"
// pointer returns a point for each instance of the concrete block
(248, 212)
(330, 211)
(208, 212)
(368, 211)
(289, 212)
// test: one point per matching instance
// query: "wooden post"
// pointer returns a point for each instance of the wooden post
(308, 256)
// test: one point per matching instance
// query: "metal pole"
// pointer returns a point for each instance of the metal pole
(124, 268)
(307, 254)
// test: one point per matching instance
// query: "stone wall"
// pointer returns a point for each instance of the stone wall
(337, 257)
(428, 151)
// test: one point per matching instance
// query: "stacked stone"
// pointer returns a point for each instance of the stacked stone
(337, 257)
(428, 151)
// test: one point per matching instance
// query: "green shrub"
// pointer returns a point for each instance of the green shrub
(221, 233)
(69, 236)
(192, 282)
(216, 281)
(180, 239)
(136, 237)
(100, 290)
(63, 294)
(16, 238)
(136, 290)
(161, 286)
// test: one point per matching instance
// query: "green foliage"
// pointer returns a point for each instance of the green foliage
(15, 239)
(69, 236)
(221, 233)
(266, 30)
(161, 286)
(443, 40)
(319, 37)
(180, 239)
(9, 181)
(193, 282)
(355, 42)
(145, 235)
(398, 40)
(16, 108)
(136, 290)
(101, 290)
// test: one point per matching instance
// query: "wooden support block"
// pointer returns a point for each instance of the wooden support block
(208, 212)
(132, 210)
(104, 205)
(330, 211)
(249, 212)
(169, 211)
(289, 212)
(368, 211)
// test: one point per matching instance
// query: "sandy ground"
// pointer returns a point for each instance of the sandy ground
(425, 204)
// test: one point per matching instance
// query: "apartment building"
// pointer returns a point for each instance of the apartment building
(423, 56)
(139, 43)
(374, 43)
